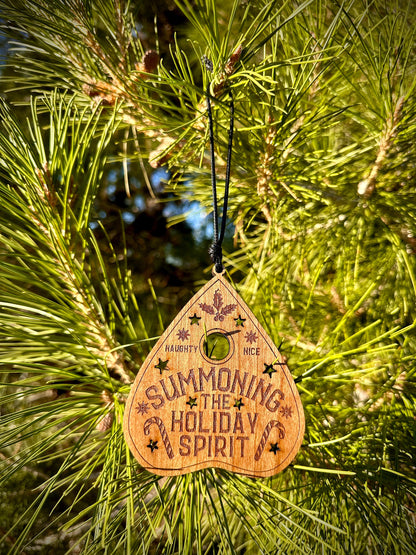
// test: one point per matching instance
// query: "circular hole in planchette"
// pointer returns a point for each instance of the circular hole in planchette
(216, 346)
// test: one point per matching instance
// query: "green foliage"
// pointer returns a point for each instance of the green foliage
(323, 202)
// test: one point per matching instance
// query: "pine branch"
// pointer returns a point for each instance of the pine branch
(323, 193)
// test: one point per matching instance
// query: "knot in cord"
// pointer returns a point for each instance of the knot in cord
(215, 252)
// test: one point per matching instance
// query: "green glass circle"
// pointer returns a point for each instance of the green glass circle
(216, 346)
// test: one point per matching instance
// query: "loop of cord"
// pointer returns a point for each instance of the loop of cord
(215, 250)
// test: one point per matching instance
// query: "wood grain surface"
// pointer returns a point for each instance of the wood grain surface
(214, 392)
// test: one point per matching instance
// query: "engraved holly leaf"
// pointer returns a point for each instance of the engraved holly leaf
(217, 304)
(228, 309)
(206, 308)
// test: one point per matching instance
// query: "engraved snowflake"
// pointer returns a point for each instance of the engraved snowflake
(142, 408)
(217, 307)
(251, 337)
(286, 412)
(183, 334)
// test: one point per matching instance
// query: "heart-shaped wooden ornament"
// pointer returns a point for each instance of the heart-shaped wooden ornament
(214, 392)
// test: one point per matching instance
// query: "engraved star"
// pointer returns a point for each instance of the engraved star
(194, 319)
(162, 365)
(191, 402)
(269, 369)
(183, 334)
(240, 321)
(238, 403)
(286, 412)
(152, 445)
(251, 337)
(142, 408)
(274, 448)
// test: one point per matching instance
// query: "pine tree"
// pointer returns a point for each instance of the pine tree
(323, 206)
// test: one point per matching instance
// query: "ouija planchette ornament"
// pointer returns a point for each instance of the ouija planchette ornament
(214, 392)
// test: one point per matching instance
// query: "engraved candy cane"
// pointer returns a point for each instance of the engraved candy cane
(158, 421)
(266, 433)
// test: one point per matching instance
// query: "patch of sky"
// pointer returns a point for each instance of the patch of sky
(139, 202)
(193, 214)
(128, 217)
(159, 178)
(137, 30)
(198, 217)
(113, 176)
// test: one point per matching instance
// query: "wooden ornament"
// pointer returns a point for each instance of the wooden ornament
(214, 392)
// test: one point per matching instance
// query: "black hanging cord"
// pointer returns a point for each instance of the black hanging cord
(215, 250)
